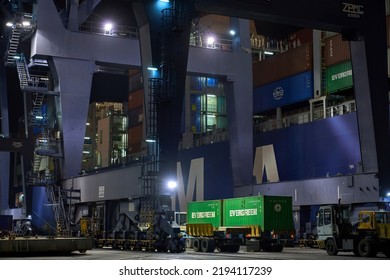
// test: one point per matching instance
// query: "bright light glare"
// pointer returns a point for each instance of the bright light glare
(232, 32)
(269, 53)
(166, 1)
(172, 184)
(152, 68)
(9, 24)
(26, 23)
(210, 40)
(108, 26)
(388, 194)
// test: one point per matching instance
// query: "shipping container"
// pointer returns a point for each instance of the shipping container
(205, 212)
(301, 37)
(244, 211)
(198, 83)
(136, 134)
(339, 77)
(195, 100)
(221, 105)
(226, 224)
(271, 213)
(196, 122)
(336, 50)
(283, 65)
(136, 116)
(135, 148)
(283, 92)
(136, 99)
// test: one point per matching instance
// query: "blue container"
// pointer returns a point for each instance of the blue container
(283, 92)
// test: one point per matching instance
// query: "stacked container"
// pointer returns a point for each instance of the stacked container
(283, 65)
(337, 58)
(136, 116)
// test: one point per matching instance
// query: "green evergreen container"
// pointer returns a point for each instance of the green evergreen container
(268, 212)
(205, 212)
(339, 77)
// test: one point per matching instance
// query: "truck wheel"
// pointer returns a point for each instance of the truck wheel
(207, 245)
(222, 248)
(366, 248)
(331, 248)
(234, 248)
(277, 248)
(356, 251)
(189, 242)
(196, 245)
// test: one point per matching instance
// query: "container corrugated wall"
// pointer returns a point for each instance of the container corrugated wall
(283, 65)
(278, 213)
(301, 37)
(339, 77)
(287, 91)
(268, 212)
(205, 212)
(244, 211)
(336, 50)
(136, 134)
(136, 99)
(136, 116)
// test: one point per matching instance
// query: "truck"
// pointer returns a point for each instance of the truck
(259, 222)
(365, 237)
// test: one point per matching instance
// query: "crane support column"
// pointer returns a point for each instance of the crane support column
(73, 81)
(371, 93)
(4, 131)
(239, 106)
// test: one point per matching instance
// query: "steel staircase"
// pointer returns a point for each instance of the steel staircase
(155, 88)
(36, 118)
(13, 47)
(21, 67)
(161, 90)
(57, 201)
(45, 146)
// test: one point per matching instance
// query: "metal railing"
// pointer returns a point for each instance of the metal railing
(100, 29)
(215, 43)
(331, 111)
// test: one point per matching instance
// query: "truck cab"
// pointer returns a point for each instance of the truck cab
(333, 220)
(336, 232)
